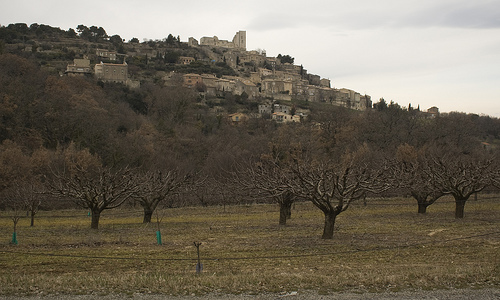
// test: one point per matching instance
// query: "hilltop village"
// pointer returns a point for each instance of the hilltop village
(211, 66)
(256, 76)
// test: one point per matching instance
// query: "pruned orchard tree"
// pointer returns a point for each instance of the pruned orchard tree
(31, 194)
(89, 184)
(461, 174)
(495, 174)
(14, 207)
(270, 174)
(411, 174)
(155, 187)
(15, 166)
(332, 186)
(272, 178)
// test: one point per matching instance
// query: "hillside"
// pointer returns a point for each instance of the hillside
(154, 119)
(221, 66)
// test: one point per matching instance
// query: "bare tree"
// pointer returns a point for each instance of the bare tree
(30, 193)
(411, 173)
(102, 189)
(270, 177)
(155, 187)
(80, 176)
(203, 191)
(333, 186)
(461, 174)
(14, 207)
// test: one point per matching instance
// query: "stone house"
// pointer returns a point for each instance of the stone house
(277, 86)
(291, 68)
(263, 72)
(225, 85)
(255, 78)
(103, 53)
(210, 82)
(433, 111)
(286, 109)
(312, 93)
(237, 117)
(191, 80)
(272, 61)
(253, 57)
(265, 109)
(300, 88)
(80, 67)
(365, 102)
(324, 83)
(192, 42)
(186, 60)
(112, 72)
(282, 117)
(314, 79)
(354, 99)
(247, 86)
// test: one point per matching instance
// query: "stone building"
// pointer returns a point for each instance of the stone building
(314, 79)
(237, 117)
(239, 41)
(282, 117)
(225, 85)
(247, 86)
(324, 82)
(276, 86)
(265, 109)
(112, 72)
(433, 112)
(103, 53)
(186, 60)
(80, 67)
(192, 42)
(191, 80)
(256, 57)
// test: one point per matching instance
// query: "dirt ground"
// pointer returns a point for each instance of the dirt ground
(455, 294)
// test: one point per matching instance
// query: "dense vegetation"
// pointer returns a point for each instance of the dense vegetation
(63, 134)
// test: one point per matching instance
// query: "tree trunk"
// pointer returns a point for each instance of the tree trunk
(148, 213)
(289, 210)
(459, 208)
(329, 225)
(95, 219)
(422, 208)
(283, 213)
(32, 219)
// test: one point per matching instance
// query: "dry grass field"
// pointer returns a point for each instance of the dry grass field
(384, 246)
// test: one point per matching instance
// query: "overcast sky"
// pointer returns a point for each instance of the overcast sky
(443, 53)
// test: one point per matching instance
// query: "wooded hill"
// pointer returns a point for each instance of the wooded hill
(53, 125)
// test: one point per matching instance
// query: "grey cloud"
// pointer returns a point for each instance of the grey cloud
(484, 16)
(454, 15)
(272, 21)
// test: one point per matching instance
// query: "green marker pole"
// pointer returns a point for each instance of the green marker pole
(14, 238)
(158, 237)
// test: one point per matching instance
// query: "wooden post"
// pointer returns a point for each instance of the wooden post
(199, 266)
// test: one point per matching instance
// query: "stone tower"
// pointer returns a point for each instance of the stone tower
(240, 40)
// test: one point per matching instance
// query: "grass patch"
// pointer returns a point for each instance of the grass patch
(383, 246)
